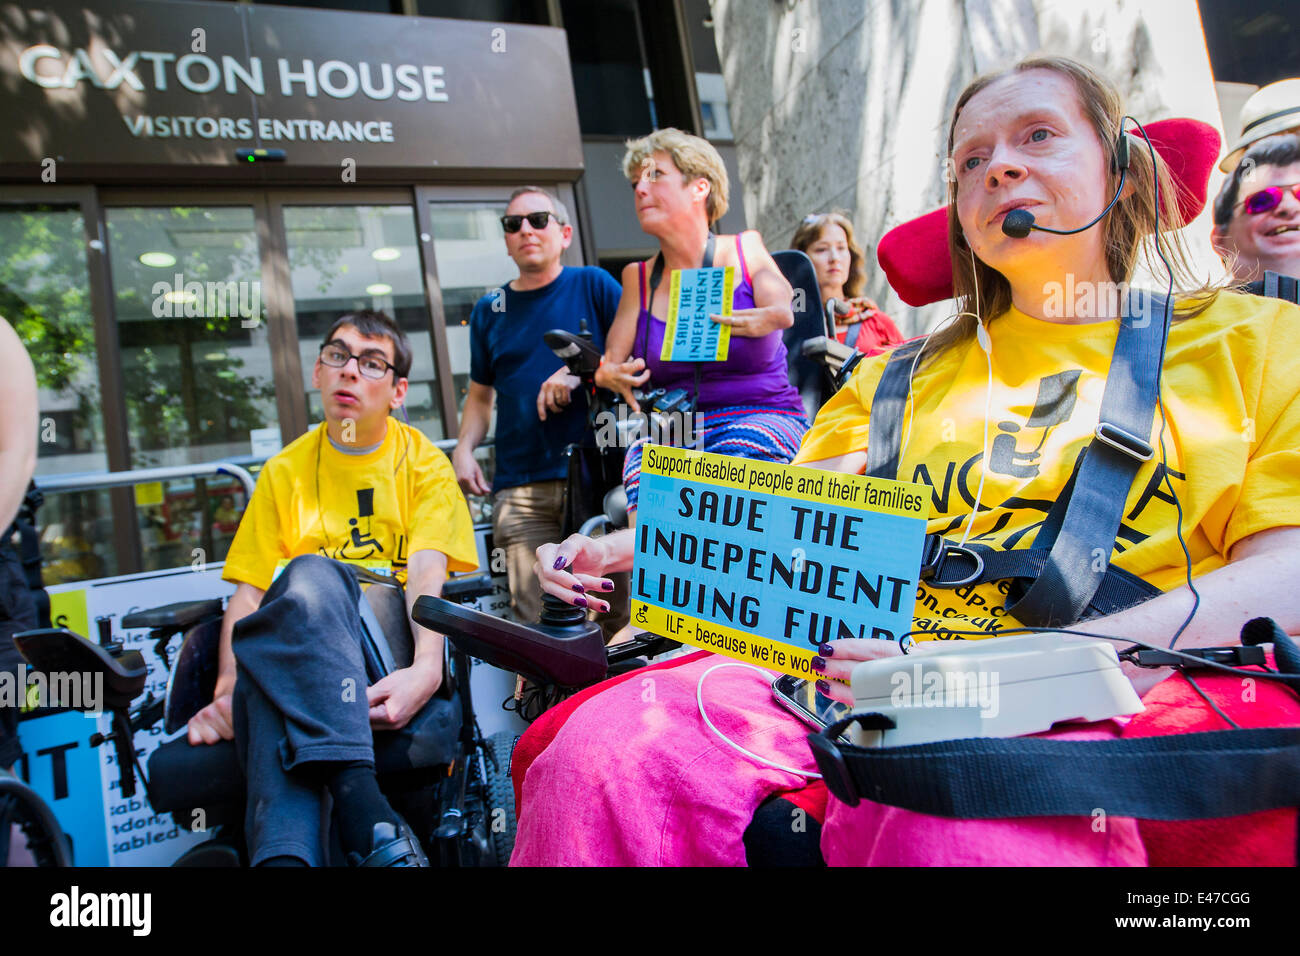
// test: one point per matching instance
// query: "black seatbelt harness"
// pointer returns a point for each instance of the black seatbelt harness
(1179, 777)
(1058, 581)
(1221, 773)
(1277, 286)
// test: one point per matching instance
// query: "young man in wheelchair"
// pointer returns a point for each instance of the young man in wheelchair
(295, 690)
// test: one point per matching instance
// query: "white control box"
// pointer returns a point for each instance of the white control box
(995, 687)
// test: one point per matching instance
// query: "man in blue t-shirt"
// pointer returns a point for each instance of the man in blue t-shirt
(538, 410)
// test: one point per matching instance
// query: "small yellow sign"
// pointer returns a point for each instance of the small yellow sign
(68, 609)
(149, 493)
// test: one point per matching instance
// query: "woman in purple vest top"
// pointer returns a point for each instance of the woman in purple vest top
(747, 406)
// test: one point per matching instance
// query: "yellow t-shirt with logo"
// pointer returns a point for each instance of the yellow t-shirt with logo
(383, 506)
(1231, 381)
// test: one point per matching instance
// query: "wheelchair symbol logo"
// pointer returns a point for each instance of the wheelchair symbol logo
(641, 616)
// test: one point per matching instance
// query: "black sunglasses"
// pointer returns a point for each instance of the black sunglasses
(537, 220)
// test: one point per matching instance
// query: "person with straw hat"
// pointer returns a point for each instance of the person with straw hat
(1270, 110)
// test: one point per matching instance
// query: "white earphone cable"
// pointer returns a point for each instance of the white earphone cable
(986, 346)
(699, 700)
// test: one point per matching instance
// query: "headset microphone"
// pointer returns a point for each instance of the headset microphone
(1018, 222)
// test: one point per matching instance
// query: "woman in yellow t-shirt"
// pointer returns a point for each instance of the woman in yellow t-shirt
(997, 421)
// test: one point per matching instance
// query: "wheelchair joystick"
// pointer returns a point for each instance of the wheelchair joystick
(562, 619)
(566, 621)
(105, 625)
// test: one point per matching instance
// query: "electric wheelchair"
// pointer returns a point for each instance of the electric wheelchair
(439, 772)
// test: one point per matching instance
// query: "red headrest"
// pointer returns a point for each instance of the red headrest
(915, 254)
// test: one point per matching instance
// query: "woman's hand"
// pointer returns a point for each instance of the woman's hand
(835, 662)
(758, 322)
(623, 377)
(571, 570)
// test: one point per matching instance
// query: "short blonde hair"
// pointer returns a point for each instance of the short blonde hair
(694, 157)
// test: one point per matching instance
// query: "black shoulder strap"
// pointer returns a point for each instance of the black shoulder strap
(1277, 286)
(1122, 444)
(1062, 580)
(888, 409)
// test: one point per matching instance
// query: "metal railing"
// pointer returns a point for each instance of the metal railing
(93, 481)
(116, 479)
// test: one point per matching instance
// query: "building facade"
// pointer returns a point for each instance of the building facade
(844, 104)
(191, 192)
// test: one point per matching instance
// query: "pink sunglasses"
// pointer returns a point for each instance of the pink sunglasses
(1266, 200)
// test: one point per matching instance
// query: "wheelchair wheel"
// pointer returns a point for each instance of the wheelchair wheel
(500, 794)
(22, 805)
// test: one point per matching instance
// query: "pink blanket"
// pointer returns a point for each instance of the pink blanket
(872, 834)
(633, 777)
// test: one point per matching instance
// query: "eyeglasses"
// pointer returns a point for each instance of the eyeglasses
(537, 220)
(371, 366)
(1266, 200)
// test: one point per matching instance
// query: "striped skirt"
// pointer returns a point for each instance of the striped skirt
(768, 434)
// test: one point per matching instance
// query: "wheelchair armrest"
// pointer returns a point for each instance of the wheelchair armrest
(55, 650)
(828, 351)
(544, 658)
(174, 617)
(465, 589)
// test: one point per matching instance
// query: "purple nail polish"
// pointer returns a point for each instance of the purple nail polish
(581, 602)
(607, 585)
(560, 562)
(826, 650)
(579, 588)
(819, 663)
(823, 688)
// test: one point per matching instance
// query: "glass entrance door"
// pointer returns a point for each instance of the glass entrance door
(346, 258)
(196, 365)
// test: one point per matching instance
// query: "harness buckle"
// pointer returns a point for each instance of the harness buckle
(830, 759)
(835, 773)
(1123, 441)
(937, 552)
